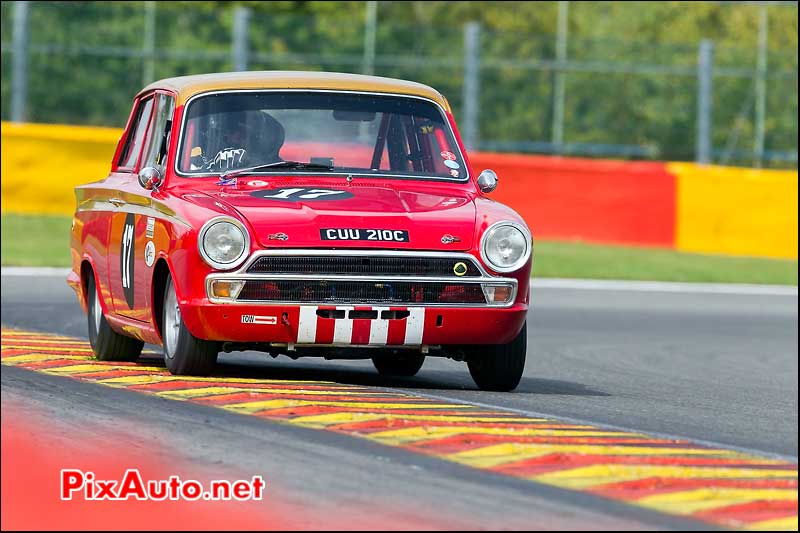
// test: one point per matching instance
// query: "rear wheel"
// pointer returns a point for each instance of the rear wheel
(107, 344)
(184, 354)
(398, 365)
(499, 367)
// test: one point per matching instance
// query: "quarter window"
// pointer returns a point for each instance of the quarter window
(133, 146)
(155, 154)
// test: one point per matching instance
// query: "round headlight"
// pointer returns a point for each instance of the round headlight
(506, 246)
(223, 243)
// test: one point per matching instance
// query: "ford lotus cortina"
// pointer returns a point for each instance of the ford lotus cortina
(300, 214)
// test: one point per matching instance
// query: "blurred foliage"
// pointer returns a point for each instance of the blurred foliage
(636, 86)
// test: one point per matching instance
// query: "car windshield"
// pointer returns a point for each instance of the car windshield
(318, 132)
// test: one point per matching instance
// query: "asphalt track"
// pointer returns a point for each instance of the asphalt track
(715, 368)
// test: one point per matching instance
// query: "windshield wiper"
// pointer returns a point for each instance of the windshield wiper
(294, 165)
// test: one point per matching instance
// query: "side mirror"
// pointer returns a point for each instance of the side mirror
(487, 181)
(150, 178)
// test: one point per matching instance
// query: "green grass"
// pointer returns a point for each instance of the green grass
(581, 260)
(35, 240)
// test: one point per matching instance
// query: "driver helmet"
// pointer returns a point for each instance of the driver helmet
(257, 132)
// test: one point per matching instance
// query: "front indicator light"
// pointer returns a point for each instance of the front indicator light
(226, 289)
(498, 294)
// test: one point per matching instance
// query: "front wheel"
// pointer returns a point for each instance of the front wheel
(398, 365)
(499, 367)
(107, 344)
(184, 354)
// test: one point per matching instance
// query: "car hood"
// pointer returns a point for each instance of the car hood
(301, 211)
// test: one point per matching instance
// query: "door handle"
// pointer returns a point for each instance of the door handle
(116, 201)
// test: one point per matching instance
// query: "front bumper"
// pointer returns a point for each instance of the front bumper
(369, 326)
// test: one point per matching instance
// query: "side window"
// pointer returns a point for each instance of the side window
(397, 145)
(136, 136)
(155, 154)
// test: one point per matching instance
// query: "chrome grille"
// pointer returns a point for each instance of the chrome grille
(385, 292)
(361, 277)
(363, 266)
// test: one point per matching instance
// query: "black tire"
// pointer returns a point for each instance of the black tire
(107, 344)
(399, 365)
(499, 367)
(184, 354)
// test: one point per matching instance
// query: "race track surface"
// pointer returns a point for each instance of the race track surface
(717, 369)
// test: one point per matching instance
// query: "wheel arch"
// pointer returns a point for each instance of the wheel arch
(161, 272)
(89, 272)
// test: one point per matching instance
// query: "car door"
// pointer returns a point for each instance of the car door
(148, 209)
(131, 258)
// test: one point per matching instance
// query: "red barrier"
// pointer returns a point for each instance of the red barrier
(582, 199)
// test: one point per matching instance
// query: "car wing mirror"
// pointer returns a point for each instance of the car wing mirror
(150, 178)
(487, 181)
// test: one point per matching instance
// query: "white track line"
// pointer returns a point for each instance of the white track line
(38, 272)
(551, 283)
(664, 286)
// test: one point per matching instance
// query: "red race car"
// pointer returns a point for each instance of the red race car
(300, 213)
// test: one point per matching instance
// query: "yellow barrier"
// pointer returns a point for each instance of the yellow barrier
(736, 210)
(42, 163)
